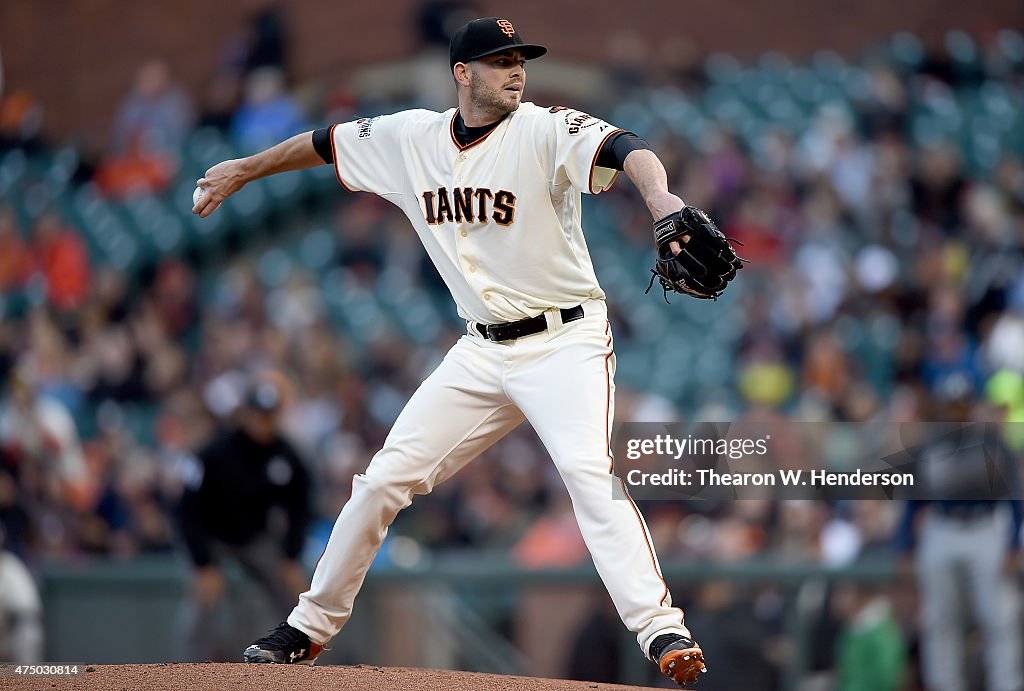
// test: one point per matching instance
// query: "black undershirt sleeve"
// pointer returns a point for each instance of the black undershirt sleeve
(322, 144)
(615, 149)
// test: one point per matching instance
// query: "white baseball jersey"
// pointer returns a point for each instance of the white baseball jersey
(500, 217)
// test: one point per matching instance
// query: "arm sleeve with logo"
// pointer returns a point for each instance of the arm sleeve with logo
(367, 153)
(578, 138)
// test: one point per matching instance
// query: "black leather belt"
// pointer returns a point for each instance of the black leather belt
(526, 327)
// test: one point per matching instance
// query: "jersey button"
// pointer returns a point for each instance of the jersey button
(472, 269)
(487, 297)
(463, 233)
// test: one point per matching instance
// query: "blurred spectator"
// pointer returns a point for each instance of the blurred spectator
(261, 42)
(871, 654)
(268, 113)
(39, 434)
(62, 259)
(218, 107)
(235, 489)
(111, 367)
(937, 185)
(173, 297)
(21, 123)
(135, 172)
(267, 44)
(155, 116)
(150, 128)
(735, 628)
(552, 540)
(437, 21)
(596, 652)
(15, 257)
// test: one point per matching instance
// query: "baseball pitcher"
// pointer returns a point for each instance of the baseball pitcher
(493, 189)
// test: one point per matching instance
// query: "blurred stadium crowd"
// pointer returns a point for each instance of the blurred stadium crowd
(879, 199)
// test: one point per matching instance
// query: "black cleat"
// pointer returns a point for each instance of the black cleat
(679, 658)
(284, 645)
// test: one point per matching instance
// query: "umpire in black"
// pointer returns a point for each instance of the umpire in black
(246, 498)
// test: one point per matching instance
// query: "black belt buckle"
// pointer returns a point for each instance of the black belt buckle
(525, 327)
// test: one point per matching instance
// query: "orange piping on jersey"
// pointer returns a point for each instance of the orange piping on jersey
(337, 161)
(593, 163)
(460, 147)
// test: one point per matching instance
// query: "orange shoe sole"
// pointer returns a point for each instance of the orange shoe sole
(683, 666)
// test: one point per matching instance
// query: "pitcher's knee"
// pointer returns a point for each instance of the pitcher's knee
(383, 489)
(587, 475)
(396, 479)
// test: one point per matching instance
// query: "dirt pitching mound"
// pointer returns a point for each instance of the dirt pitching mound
(243, 677)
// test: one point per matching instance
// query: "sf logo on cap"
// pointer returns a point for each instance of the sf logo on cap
(506, 27)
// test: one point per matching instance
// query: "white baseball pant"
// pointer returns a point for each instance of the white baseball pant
(561, 380)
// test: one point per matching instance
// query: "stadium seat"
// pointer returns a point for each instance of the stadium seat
(318, 249)
(161, 230)
(353, 307)
(274, 267)
(964, 54)
(1011, 46)
(905, 52)
(288, 189)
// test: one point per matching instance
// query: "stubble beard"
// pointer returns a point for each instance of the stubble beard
(492, 101)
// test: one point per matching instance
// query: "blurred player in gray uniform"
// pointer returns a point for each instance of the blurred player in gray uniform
(967, 549)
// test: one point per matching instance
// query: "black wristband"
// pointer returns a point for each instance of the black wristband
(322, 144)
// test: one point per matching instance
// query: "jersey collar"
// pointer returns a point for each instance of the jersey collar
(482, 132)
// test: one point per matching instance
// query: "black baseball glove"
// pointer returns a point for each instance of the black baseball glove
(707, 263)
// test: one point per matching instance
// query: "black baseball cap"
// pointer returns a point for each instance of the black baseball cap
(487, 36)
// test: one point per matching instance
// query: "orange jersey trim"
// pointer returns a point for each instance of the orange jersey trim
(460, 147)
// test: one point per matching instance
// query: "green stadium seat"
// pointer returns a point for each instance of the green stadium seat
(905, 52)
(274, 267)
(964, 54)
(318, 249)
(251, 204)
(13, 173)
(287, 189)
(408, 307)
(722, 68)
(353, 307)
(1010, 45)
(635, 117)
(205, 148)
(161, 229)
(62, 167)
(324, 181)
